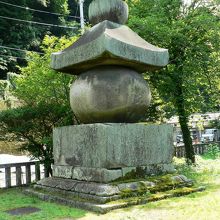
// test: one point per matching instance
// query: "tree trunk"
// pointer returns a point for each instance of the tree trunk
(47, 169)
(190, 155)
(183, 119)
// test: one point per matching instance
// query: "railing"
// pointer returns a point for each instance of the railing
(13, 174)
(199, 149)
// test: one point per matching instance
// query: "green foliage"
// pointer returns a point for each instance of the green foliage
(215, 123)
(29, 36)
(3, 84)
(35, 124)
(15, 34)
(213, 152)
(44, 95)
(38, 83)
(193, 42)
(191, 33)
(3, 64)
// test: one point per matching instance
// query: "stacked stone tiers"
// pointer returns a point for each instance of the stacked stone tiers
(100, 197)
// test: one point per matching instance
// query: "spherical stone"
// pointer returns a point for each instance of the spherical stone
(110, 94)
(112, 10)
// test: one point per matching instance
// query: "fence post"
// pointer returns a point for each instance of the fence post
(8, 177)
(28, 173)
(37, 171)
(46, 173)
(18, 176)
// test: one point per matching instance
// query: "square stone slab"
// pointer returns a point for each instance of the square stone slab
(23, 211)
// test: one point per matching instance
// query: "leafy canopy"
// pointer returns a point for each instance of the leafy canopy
(191, 33)
(44, 97)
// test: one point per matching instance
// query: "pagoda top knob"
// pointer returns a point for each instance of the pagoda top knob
(111, 10)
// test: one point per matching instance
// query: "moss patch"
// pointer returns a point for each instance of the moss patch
(137, 174)
(157, 196)
(160, 183)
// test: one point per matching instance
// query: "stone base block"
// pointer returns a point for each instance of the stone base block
(105, 152)
(103, 175)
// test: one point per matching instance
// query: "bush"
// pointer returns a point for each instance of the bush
(35, 124)
(44, 95)
(213, 152)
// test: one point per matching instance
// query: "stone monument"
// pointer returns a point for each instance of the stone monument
(109, 97)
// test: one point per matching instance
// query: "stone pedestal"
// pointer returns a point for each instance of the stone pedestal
(106, 152)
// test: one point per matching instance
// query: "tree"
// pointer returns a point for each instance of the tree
(28, 36)
(44, 95)
(191, 33)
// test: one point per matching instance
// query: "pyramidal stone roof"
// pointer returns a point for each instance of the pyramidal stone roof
(109, 43)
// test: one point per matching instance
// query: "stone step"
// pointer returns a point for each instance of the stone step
(109, 206)
(99, 197)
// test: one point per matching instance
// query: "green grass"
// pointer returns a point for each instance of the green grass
(202, 205)
(14, 198)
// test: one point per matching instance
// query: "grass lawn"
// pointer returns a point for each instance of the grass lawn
(14, 198)
(198, 206)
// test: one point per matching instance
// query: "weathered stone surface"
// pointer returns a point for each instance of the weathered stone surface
(110, 94)
(126, 170)
(97, 189)
(50, 181)
(168, 168)
(62, 171)
(67, 184)
(129, 186)
(159, 168)
(113, 146)
(109, 43)
(103, 175)
(181, 179)
(112, 10)
(147, 183)
(96, 174)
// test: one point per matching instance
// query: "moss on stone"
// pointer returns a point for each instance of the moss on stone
(135, 200)
(66, 196)
(135, 175)
(162, 183)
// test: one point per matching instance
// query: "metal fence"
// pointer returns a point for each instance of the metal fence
(19, 174)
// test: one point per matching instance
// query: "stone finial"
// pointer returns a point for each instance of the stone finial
(111, 10)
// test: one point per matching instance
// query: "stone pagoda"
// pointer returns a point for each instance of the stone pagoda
(109, 97)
